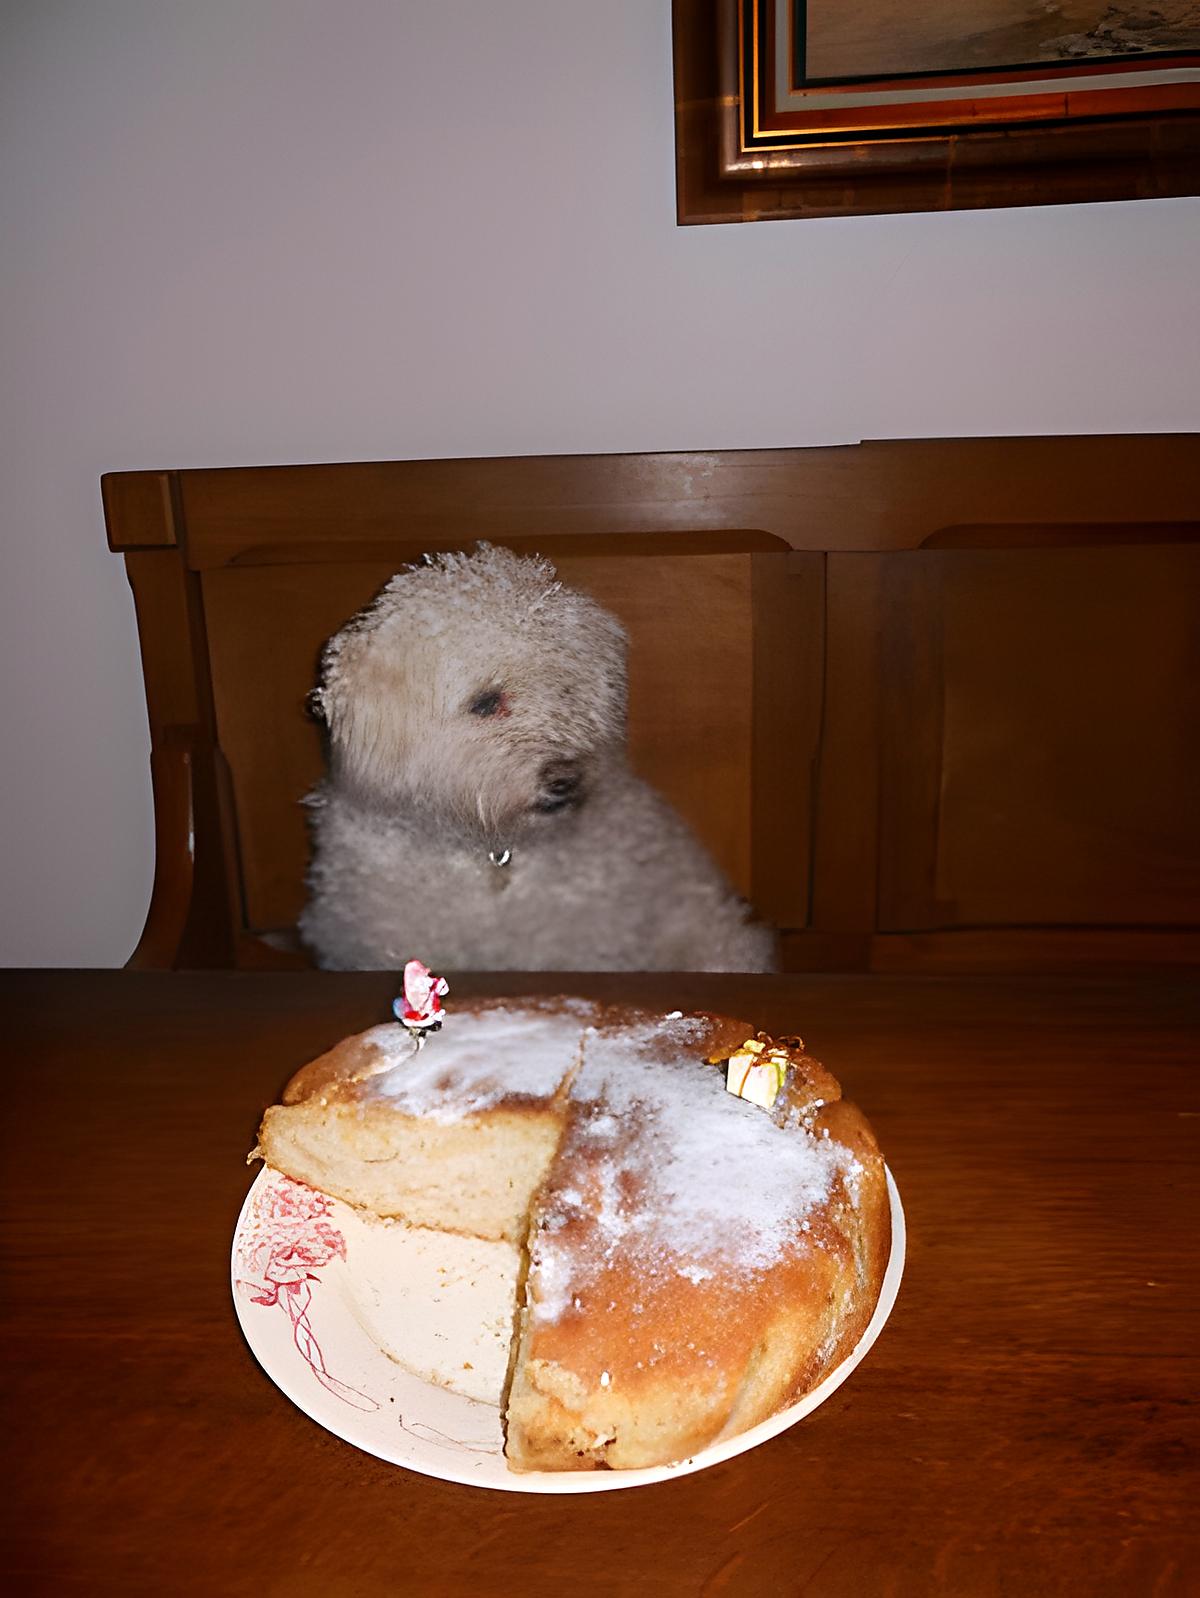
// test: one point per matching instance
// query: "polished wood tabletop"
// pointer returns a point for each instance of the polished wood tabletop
(1024, 1425)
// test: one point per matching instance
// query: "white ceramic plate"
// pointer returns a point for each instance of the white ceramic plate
(304, 1310)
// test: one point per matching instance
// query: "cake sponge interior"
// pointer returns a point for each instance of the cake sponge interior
(476, 1177)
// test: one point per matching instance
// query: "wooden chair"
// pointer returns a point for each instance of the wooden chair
(928, 704)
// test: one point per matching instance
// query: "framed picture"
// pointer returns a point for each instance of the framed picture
(789, 108)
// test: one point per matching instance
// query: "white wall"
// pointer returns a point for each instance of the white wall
(247, 231)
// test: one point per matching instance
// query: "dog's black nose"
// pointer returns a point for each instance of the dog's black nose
(559, 787)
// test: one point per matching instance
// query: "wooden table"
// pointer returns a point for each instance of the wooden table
(1024, 1425)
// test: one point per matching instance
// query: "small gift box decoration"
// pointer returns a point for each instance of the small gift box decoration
(756, 1071)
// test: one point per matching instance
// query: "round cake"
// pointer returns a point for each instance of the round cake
(692, 1261)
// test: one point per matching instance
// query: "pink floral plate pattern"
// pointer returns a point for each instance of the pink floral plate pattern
(293, 1290)
(287, 1238)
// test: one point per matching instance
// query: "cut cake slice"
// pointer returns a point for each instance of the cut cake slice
(456, 1136)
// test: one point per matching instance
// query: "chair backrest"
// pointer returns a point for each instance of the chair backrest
(867, 677)
(231, 643)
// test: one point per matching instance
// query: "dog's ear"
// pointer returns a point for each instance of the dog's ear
(328, 701)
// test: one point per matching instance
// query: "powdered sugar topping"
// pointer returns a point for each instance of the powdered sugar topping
(479, 1059)
(663, 1166)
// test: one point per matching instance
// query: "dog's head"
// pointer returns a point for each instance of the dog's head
(479, 687)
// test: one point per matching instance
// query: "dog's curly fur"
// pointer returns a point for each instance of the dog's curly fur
(478, 705)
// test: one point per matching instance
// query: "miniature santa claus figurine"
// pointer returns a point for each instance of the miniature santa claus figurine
(419, 1008)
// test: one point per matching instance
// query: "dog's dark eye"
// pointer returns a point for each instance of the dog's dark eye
(487, 704)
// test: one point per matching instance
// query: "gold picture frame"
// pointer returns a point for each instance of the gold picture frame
(788, 108)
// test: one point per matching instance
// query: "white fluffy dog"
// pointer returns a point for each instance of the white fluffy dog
(479, 812)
